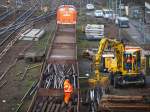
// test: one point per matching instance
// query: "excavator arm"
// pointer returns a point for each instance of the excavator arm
(119, 52)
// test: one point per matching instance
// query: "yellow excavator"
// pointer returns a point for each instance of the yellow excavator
(127, 70)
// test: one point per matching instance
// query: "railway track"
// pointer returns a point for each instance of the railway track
(52, 104)
(7, 13)
(23, 18)
(61, 62)
(8, 61)
(19, 3)
(8, 42)
(20, 20)
(17, 49)
(13, 31)
(16, 27)
(54, 72)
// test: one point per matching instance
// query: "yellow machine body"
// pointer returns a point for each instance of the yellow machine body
(118, 64)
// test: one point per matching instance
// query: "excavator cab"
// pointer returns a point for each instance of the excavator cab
(126, 69)
(132, 61)
(131, 71)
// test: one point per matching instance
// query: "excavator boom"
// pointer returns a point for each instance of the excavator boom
(128, 63)
(119, 50)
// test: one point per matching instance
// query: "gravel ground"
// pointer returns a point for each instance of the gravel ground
(15, 88)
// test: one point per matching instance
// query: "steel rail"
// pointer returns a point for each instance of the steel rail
(21, 18)
(22, 50)
(6, 14)
(43, 16)
(19, 27)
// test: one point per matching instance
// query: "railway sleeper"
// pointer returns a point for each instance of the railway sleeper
(57, 108)
(53, 107)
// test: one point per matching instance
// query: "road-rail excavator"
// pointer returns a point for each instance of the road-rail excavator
(128, 69)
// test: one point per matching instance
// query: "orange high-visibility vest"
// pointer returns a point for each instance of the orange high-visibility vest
(68, 87)
(129, 60)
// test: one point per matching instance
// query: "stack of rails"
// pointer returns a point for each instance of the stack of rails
(61, 62)
(115, 103)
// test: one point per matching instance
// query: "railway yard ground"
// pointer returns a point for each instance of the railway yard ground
(20, 75)
(18, 78)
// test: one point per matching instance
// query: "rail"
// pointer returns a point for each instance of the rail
(125, 103)
(6, 14)
(60, 62)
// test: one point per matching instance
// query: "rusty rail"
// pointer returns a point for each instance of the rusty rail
(125, 103)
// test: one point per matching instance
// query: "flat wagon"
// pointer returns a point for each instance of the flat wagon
(60, 62)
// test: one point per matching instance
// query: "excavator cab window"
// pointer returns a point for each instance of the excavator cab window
(128, 61)
(132, 61)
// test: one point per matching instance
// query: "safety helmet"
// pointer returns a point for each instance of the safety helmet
(66, 81)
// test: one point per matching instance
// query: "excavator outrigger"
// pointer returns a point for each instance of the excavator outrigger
(128, 69)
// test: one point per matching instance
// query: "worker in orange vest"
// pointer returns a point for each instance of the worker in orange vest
(129, 59)
(68, 90)
(129, 62)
